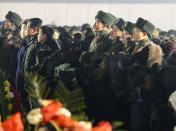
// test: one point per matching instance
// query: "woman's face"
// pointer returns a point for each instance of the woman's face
(41, 36)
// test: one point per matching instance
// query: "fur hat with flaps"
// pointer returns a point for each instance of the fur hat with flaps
(35, 22)
(129, 27)
(106, 18)
(120, 24)
(145, 26)
(115, 19)
(14, 18)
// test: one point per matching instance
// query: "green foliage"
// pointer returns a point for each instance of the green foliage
(72, 100)
(6, 97)
(36, 89)
(2, 79)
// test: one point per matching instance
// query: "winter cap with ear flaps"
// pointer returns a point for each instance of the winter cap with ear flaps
(106, 18)
(14, 18)
(129, 27)
(145, 26)
(120, 24)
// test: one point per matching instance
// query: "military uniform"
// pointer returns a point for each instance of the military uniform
(146, 52)
(117, 46)
(141, 52)
(101, 42)
(129, 47)
(129, 43)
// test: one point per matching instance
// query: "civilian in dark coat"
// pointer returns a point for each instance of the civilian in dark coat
(19, 80)
(169, 49)
(10, 42)
(29, 63)
(47, 46)
(88, 36)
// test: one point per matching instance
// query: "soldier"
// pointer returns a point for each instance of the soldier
(128, 39)
(145, 53)
(101, 42)
(117, 34)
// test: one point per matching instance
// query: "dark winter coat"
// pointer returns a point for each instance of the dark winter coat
(29, 62)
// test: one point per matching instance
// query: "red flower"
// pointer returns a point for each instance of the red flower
(79, 128)
(14, 123)
(103, 126)
(63, 121)
(49, 111)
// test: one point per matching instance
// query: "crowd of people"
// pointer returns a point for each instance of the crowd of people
(127, 70)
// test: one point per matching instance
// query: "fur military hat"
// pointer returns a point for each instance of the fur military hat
(145, 26)
(14, 18)
(35, 22)
(129, 27)
(115, 19)
(106, 18)
(120, 24)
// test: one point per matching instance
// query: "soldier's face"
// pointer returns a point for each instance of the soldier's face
(126, 35)
(99, 26)
(23, 31)
(41, 37)
(138, 34)
(116, 32)
(7, 24)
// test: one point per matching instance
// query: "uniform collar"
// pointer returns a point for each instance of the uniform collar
(102, 33)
